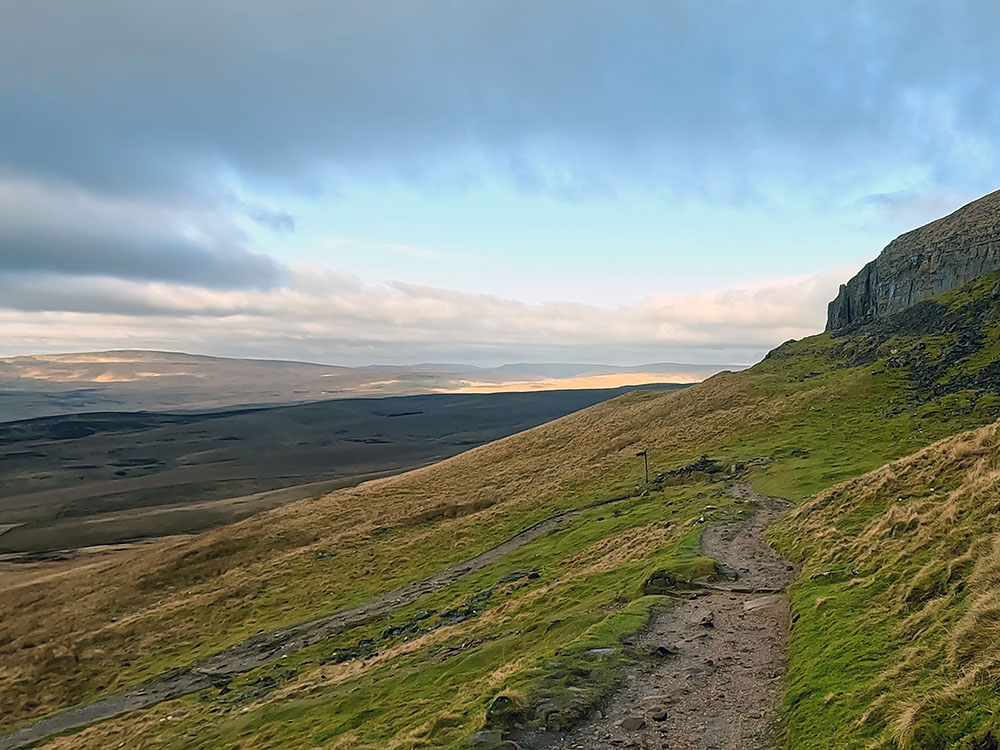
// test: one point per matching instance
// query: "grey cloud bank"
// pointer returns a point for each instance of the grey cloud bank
(564, 94)
(54, 230)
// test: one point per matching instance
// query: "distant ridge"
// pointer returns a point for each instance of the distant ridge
(142, 380)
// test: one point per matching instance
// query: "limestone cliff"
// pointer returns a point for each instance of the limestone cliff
(939, 256)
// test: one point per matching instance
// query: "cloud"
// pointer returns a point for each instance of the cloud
(55, 229)
(910, 206)
(561, 96)
(136, 139)
(275, 219)
(336, 317)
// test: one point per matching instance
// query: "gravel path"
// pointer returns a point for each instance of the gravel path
(717, 693)
(720, 690)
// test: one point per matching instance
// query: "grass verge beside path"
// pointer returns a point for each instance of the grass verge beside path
(897, 613)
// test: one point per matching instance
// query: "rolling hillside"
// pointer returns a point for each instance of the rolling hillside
(111, 477)
(893, 643)
(137, 380)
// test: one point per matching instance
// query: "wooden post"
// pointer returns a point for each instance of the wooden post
(645, 464)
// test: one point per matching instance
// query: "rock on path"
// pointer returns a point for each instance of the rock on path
(721, 689)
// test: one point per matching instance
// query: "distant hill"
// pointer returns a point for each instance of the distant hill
(50, 384)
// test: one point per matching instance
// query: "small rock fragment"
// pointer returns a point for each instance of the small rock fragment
(633, 723)
(483, 738)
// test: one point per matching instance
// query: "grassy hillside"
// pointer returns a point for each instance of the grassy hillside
(814, 413)
(896, 642)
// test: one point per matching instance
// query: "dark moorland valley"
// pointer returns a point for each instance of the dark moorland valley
(97, 478)
(811, 563)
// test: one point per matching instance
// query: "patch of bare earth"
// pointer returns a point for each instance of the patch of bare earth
(719, 657)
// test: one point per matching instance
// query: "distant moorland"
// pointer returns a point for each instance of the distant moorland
(51, 384)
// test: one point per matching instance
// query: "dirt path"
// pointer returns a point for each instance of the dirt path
(716, 693)
(267, 647)
(720, 690)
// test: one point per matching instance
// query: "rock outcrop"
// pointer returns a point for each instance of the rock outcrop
(939, 256)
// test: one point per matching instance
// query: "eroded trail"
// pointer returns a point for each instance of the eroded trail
(719, 691)
(267, 647)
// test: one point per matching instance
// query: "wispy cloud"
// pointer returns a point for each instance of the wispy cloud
(911, 206)
(336, 317)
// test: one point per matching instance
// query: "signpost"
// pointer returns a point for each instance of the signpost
(645, 464)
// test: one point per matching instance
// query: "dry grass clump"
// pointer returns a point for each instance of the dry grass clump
(924, 532)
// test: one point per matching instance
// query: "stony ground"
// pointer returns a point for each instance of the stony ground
(718, 680)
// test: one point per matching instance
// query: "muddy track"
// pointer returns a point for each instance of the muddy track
(268, 647)
(720, 688)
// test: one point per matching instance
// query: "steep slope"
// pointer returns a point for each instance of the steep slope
(935, 258)
(896, 642)
(813, 413)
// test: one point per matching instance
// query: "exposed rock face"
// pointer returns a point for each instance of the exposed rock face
(942, 255)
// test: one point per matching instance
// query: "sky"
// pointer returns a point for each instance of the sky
(482, 182)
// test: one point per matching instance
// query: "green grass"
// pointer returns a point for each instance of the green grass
(530, 645)
(894, 643)
(813, 414)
